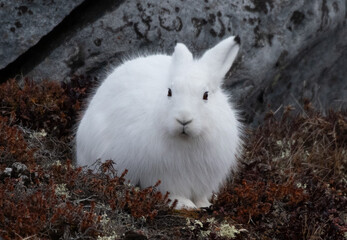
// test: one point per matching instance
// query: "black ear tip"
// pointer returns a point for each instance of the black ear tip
(237, 39)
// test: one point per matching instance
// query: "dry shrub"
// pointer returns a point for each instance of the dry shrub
(145, 202)
(33, 209)
(37, 119)
(291, 184)
(67, 202)
(251, 200)
(34, 120)
(13, 146)
(110, 189)
(47, 105)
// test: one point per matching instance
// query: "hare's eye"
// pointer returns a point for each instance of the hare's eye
(205, 97)
(169, 92)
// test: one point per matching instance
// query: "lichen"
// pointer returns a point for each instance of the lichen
(62, 190)
(229, 231)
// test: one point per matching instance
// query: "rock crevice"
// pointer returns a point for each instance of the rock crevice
(82, 15)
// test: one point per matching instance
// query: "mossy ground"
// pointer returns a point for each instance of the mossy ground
(291, 183)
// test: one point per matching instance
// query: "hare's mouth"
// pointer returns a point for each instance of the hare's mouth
(184, 133)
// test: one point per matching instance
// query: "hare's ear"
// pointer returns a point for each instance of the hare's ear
(181, 56)
(218, 60)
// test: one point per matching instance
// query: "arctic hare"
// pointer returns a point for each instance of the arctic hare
(166, 118)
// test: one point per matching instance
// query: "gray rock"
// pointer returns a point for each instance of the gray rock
(23, 23)
(24, 179)
(20, 169)
(137, 27)
(290, 50)
(7, 172)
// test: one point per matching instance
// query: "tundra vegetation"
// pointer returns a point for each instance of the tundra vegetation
(291, 182)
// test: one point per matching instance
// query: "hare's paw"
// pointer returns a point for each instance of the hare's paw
(203, 203)
(183, 203)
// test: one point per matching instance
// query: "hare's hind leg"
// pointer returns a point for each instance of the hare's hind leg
(202, 203)
(183, 202)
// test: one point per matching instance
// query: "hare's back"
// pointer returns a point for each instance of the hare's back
(143, 73)
(121, 108)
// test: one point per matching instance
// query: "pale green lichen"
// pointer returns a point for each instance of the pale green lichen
(112, 236)
(104, 219)
(197, 222)
(188, 223)
(302, 186)
(211, 220)
(61, 190)
(223, 230)
(285, 153)
(39, 134)
(105, 223)
(191, 225)
(285, 149)
(57, 163)
(229, 231)
(205, 234)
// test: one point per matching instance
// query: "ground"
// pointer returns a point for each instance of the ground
(291, 182)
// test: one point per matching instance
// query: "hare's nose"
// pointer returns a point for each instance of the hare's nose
(184, 122)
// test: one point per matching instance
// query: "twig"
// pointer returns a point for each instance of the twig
(296, 101)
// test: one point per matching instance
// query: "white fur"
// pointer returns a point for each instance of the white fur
(132, 120)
